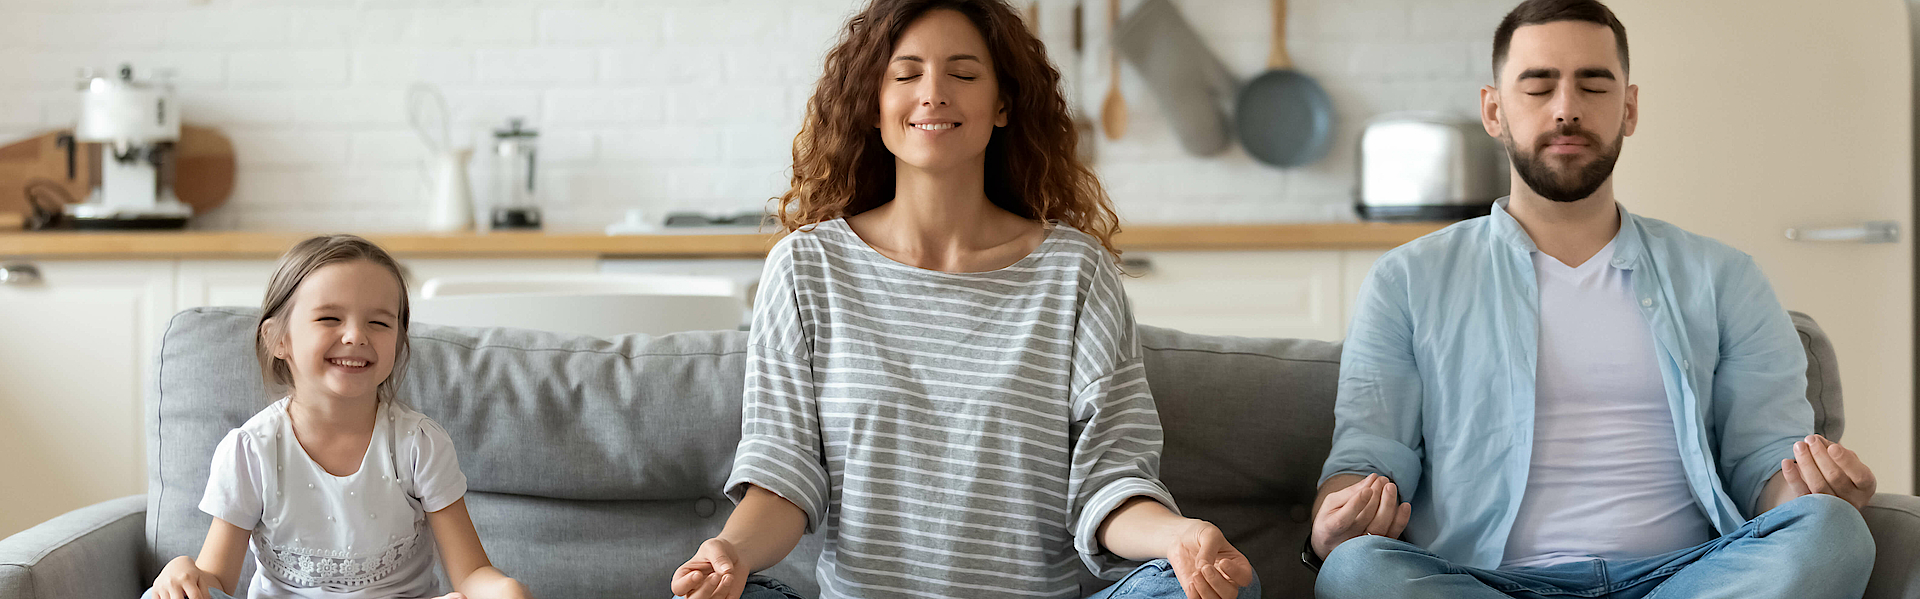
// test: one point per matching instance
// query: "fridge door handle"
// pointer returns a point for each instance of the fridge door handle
(1879, 231)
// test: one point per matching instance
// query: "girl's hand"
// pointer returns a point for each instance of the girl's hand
(713, 573)
(1207, 565)
(181, 579)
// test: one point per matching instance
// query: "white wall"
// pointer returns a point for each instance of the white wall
(665, 104)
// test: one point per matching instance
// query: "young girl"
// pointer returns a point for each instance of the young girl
(943, 377)
(337, 485)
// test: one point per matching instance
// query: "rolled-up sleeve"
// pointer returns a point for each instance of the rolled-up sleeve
(1117, 436)
(1377, 426)
(1116, 457)
(1759, 386)
(780, 443)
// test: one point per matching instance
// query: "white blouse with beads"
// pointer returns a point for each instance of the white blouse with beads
(358, 536)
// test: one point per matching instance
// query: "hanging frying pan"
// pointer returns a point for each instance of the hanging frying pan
(1284, 117)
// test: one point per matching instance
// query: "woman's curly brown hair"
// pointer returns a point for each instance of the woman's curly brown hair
(841, 168)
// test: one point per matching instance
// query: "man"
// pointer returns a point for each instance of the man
(1564, 399)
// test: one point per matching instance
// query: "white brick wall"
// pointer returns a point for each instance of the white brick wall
(669, 104)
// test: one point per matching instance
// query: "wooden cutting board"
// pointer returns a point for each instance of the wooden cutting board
(203, 168)
(37, 168)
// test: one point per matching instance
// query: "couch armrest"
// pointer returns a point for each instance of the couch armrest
(89, 553)
(1895, 522)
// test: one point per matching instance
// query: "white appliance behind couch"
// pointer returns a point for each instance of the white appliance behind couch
(601, 305)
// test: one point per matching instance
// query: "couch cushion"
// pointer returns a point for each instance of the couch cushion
(1823, 377)
(205, 383)
(572, 417)
(1248, 423)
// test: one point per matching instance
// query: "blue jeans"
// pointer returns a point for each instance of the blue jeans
(1155, 580)
(1152, 580)
(1815, 546)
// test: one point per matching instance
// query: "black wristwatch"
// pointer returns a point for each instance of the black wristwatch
(1311, 559)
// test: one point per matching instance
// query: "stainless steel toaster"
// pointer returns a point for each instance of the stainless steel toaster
(1428, 166)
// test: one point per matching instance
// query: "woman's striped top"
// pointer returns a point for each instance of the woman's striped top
(953, 434)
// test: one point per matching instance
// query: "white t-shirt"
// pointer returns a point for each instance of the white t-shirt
(1606, 479)
(360, 536)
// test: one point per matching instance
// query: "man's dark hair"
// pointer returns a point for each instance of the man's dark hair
(1540, 12)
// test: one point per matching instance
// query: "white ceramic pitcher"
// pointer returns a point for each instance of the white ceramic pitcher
(449, 197)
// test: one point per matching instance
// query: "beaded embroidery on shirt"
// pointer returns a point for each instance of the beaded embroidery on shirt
(321, 567)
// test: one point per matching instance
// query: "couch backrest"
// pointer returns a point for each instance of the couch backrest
(595, 465)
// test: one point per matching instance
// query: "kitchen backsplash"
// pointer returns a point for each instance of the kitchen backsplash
(667, 105)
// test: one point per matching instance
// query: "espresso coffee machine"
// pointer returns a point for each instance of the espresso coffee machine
(133, 125)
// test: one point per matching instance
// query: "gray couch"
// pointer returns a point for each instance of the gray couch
(595, 464)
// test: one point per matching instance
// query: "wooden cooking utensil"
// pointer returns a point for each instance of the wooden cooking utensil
(1113, 112)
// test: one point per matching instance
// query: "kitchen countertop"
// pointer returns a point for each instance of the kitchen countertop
(255, 245)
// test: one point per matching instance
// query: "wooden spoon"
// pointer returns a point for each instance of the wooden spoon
(1113, 112)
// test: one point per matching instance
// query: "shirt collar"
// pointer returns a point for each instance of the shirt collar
(1627, 248)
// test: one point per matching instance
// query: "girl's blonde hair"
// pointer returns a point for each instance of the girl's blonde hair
(306, 257)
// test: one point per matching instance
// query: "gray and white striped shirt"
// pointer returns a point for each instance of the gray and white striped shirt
(956, 434)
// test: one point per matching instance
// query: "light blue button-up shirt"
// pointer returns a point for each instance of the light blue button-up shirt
(1437, 377)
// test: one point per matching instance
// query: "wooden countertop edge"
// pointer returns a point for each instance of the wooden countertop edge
(250, 244)
(1327, 236)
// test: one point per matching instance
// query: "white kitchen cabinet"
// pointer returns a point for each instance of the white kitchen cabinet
(744, 272)
(76, 353)
(221, 283)
(1299, 294)
(244, 282)
(739, 270)
(425, 269)
(1252, 294)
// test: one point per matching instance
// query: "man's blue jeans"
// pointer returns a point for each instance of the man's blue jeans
(1815, 546)
(1153, 580)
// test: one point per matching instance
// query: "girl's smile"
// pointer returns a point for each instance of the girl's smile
(342, 332)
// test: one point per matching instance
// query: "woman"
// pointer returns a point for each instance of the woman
(943, 376)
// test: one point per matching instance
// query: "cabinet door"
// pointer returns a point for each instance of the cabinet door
(1255, 294)
(421, 270)
(75, 357)
(244, 282)
(222, 283)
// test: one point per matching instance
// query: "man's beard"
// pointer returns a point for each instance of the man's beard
(1559, 186)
